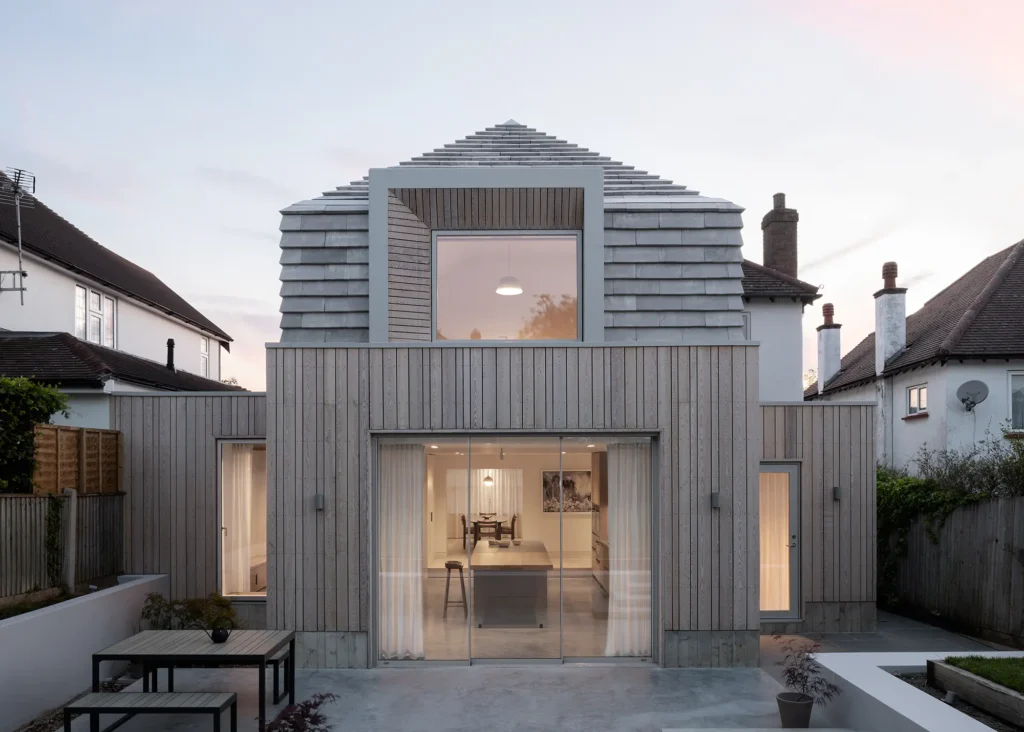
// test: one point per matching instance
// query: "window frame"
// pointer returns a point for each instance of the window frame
(911, 390)
(1009, 401)
(512, 233)
(102, 314)
(238, 597)
(748, 324)
(204, 357)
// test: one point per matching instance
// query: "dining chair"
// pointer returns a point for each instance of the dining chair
(465, 530)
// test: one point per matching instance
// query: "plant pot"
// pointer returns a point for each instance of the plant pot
(795, 709)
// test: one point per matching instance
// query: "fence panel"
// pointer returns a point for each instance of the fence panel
(973, 575)
(76, 457)
(23, 544)
(100, 536)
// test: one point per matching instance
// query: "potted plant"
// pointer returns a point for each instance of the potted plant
(801, 674)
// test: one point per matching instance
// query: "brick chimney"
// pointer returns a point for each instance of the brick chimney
(890, 318)
(830, 353)
(779, 227)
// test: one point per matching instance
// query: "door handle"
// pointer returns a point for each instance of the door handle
(792, 546)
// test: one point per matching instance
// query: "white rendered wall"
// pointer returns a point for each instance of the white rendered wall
(86, 410)
(778, 327)
(992, 415)
(141, 331)
(46, 653)
(908, 436)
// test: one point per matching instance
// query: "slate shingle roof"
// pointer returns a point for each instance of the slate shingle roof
(514, 144)
(63, 360)
(761, 281)
(46, 234)
(980, 315)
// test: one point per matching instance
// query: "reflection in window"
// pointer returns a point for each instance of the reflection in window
(507, 288)
(1017, 401)
(917, 399)
(244, 519)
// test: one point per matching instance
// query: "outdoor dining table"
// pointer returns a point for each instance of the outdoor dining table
(156, 649)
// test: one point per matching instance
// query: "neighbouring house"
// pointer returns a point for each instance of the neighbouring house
(75, 285)
(915, 368)
(515, 414)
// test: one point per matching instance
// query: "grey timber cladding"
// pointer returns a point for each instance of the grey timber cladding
(169, 473)
(673, 275)
(325, 281)
(701, 402)
(409, 274)
(834, 446)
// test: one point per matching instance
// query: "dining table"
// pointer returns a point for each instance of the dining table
(484, 521)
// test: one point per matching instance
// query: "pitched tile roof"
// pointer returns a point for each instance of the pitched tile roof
(514, 144)
(62, 359)
(761, 281)
(46, 234)
(978, 316)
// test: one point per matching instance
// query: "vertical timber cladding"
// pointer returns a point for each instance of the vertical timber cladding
(169, 473)
(701, 402)
(414, 213)
(834, 445)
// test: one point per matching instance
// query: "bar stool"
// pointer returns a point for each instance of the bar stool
(450, 565)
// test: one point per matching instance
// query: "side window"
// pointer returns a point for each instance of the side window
(95, 317)
(917, 399)
(204, 357)
(747, 325)
(1017, 401)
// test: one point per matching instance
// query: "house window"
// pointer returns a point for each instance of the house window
(1017, 401)
(95, 317)
(746, 325)
(917, 399)
(513, 287)
(204, 357)
(243, 546)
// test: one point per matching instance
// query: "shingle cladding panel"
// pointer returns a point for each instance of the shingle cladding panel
(673, 276)
(325, 277)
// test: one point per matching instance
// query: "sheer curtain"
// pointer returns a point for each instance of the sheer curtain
(504, 499)
(401, 551)
(236, 485)
(629, 551)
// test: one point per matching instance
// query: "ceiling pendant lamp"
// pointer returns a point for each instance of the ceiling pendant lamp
(509, 285)
(488, 482)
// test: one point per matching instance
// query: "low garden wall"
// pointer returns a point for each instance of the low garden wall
(45, 655)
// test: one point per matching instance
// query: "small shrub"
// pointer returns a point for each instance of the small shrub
(189, 614)
(801, 674)
(993, 466)
(23, 404)
(304, 716)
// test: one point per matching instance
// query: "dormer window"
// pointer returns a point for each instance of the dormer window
(507, 287)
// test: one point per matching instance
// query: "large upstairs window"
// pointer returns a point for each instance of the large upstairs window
(95, 315)
(507, 287)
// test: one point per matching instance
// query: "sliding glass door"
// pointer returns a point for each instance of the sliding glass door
(513, 548)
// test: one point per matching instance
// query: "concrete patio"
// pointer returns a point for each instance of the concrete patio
(605, 698)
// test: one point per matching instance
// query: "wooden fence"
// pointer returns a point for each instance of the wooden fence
(97, 537)
(76, 457)
(973, 575)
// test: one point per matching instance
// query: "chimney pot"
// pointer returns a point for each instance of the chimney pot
(828, 310)
(779, 199)
(170, 354)
(889, 273)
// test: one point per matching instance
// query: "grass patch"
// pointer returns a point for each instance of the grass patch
(26, 607)
(1008, 672)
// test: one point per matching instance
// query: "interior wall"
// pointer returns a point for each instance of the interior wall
(536, 525)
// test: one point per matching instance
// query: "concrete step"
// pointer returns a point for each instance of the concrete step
(747, 729)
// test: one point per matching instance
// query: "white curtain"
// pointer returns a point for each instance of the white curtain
(401, 551)
(629, 551)
(775, 552)
(237, 515)
(504, 498)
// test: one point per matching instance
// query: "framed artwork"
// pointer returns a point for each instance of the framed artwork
(575, 491)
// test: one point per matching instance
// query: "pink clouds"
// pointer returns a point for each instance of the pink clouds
(975, 41)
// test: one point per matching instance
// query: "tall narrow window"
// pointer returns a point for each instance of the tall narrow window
(204, 357)
(80, 317)
(243, 519)
(1017, 401)
(108, 322)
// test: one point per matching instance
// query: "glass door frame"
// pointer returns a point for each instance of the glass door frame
(795, 611)
(373, 516)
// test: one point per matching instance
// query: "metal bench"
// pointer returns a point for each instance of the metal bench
(282, 656)
(131, 703)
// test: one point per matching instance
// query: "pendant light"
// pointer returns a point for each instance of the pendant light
(488, 482)
(509, 285)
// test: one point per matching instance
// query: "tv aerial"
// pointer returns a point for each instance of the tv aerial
(971, 394)
(17, 187)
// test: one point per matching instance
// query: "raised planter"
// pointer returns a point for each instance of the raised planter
(993, 698)
(45, 655)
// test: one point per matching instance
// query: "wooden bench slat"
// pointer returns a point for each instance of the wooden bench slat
(139, 702)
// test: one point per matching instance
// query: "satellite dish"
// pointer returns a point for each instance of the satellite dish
(972, 393)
